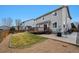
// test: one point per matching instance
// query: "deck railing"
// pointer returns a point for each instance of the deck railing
(40, 30)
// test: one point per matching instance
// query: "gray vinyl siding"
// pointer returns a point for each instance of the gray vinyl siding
(65, 20)
(52, 19)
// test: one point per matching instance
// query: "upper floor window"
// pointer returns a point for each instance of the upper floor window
(43, 18)
(64, 25)
(34, 20)
(55, 14)
(55, 25)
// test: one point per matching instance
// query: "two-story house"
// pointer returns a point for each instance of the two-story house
(56, 20)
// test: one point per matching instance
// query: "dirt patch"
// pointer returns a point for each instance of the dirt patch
(48, 46)
(3, 34)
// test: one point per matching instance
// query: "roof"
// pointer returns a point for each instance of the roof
(26, 21)
(50, 13)
(55, 11)
(69, 13)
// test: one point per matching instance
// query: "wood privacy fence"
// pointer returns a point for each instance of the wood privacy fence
(3, 34)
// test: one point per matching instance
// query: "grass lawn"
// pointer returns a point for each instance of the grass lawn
(25, 39)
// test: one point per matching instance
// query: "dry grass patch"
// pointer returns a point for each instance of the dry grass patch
(25, 39)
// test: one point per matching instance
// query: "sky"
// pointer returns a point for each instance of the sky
(26, 12)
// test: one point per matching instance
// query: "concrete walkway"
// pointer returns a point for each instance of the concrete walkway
(65, 38)
(4, 45)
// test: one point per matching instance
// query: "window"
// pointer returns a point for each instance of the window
(64, 25)
(55, 14)
(34, 20)
(43, 18)
(55, 25)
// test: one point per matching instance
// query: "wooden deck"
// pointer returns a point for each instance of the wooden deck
(40, 30)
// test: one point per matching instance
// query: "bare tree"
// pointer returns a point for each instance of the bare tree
(7, 21)
(18, 24)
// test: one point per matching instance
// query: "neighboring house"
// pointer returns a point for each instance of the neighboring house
(4, 28)
(28, 24)
(76, 24)
(56, 20)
